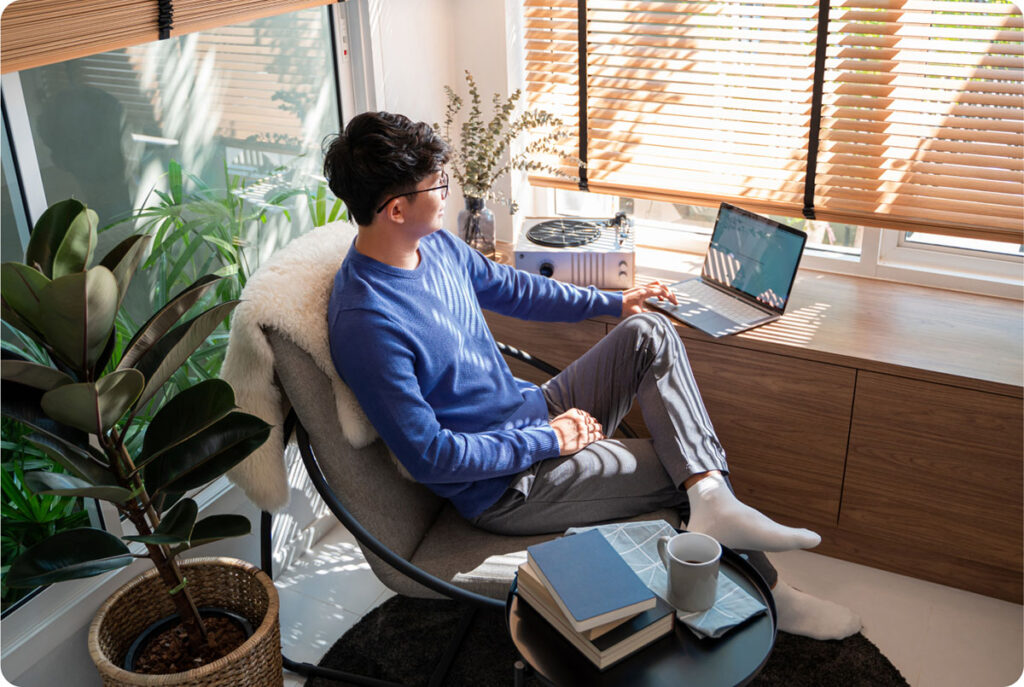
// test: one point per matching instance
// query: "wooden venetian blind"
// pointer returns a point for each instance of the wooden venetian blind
(914, 120)
(552, 61)
(39, 32)
(923, 118)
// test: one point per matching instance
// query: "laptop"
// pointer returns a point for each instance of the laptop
(747, 275)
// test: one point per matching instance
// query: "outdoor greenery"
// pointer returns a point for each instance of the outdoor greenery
(199, 228)
(29, 518)
(482, 150)
(82, 402)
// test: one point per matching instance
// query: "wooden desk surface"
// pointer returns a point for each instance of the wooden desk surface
(942, 336)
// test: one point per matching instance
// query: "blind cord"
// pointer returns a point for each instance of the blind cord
(581, 30)
(821, 46)
(165, 15)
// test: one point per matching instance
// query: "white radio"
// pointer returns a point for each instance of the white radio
(587, 252)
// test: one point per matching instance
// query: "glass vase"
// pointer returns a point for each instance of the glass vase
(476, 226)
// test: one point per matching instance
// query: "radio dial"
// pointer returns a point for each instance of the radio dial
(546, 269)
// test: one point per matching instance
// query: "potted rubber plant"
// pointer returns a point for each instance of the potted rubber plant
(79, 409)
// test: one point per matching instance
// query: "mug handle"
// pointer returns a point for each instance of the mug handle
(663, 550)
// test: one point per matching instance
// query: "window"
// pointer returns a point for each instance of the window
(241, 110)
(879, 114)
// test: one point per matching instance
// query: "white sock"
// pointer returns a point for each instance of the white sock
(715, 511)
(809, 616)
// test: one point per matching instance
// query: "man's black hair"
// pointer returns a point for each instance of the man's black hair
(380, 154)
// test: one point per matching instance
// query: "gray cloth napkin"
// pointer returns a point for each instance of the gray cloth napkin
(732, 606)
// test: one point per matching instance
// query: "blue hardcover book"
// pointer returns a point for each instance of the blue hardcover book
(589, 580)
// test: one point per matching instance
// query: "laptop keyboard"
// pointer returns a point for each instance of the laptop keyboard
(731, 308)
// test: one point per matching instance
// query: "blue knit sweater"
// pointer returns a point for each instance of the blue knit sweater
(414, 348)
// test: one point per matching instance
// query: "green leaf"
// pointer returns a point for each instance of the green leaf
(225, 245)
(217, 527)
(48, 234)
(207, 455)
(22, 287)
(94, 407)
(185, 415)
(23, 403)
(164, 501)
(32, 374)
(123, 259)
(80, 309)
(164, 358)
(66, 485)
(175, 527)
(69, 555)
(227, 271)
(183, 260)
(73, 459)
(75, 250)
(153, 330)
(174, 181)
(18, 324)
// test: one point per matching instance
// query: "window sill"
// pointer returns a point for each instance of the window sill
(929, 333)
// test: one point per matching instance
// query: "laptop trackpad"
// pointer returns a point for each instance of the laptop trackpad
(702, 318)
(711, 322)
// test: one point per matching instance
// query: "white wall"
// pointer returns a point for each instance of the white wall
(422, 45)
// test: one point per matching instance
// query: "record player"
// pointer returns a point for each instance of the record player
(587, 252)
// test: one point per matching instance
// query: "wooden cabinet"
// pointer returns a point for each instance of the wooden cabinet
(935, 471)
(783, 423)
(916, 476)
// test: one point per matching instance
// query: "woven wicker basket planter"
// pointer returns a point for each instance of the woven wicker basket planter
(226, 582)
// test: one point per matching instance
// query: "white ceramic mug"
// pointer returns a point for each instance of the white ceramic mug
(691, 560)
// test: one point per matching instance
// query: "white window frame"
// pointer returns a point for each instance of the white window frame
(883, 255)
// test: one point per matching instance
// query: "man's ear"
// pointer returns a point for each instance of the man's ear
(396, 211)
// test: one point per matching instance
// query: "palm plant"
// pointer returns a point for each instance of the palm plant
(81, 404)
(198, 228)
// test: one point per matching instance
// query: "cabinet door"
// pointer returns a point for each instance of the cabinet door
(938, 469)
(784, 424)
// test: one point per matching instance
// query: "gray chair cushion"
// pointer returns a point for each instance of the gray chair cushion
(405, 516)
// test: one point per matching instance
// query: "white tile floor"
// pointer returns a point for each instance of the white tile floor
(936, 636)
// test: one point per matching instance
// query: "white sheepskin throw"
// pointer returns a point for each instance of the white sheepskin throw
(289, 293)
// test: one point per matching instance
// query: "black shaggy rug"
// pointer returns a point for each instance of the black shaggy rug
(404, 638)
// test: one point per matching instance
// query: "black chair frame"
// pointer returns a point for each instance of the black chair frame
(471, 600)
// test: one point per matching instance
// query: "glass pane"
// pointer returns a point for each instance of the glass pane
(12, 219)
(242, 109)
(960, 243)
(210, 142)
(831, 236)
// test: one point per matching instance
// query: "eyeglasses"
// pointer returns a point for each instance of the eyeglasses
(443, 188)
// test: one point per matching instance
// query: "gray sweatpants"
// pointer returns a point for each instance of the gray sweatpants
(643, 359)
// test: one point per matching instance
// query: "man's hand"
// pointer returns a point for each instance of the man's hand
(576, 429)
(633, 299)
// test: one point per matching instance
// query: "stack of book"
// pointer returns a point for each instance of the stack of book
(586, 591)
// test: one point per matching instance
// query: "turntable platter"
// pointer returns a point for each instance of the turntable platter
(565, 233)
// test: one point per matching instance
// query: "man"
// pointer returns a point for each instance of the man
(408, 336)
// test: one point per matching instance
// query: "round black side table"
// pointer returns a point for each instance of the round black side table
(678, 658)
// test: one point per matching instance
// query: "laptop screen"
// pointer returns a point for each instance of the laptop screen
(754, 255)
